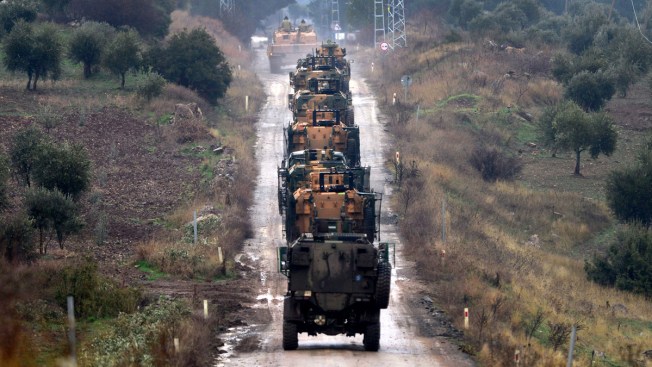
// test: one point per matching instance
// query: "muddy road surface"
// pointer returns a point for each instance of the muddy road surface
(408, 331)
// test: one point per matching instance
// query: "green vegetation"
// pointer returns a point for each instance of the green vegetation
(628, 263)
(192, 60)
(35, 50)
(629, 190)
(123, 54)
(547, 88)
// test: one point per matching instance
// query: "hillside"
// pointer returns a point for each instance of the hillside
(515, 248)
(152, 166)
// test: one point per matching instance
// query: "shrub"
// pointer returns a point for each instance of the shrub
(13, 10)
(495, 165)
(25, 150)
(16, 238)
(591, 91)
(4, 176)
(627, 265)
(66, 168)
(629, 191)
(94, 296)
(150, 86)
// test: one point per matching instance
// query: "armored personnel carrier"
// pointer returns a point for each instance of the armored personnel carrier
(324, 130)
(337, 284)
(289, 43)
(295, 171)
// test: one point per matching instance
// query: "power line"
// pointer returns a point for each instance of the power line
(637, 24)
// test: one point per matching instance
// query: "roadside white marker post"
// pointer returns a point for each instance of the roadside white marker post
(194, 227)
(466, 317)
(443, 220)
(176, 345)
(517, 357)
(220, 258)
(394, 99)
(443, 257)
(247, 103)
(71, 330)
(372, 67)
(569, 363)
(205, 309)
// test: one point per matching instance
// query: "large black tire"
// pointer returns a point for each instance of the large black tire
(383, 284)
(371, 339)
(350, 117)
(369, 221)
(290, 336)
(353, 152)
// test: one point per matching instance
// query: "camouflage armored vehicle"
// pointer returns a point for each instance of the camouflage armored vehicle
(331, 205)
(289, 43)
(324, 131)
(324, 97)
(337, 284)
(294, 172)
(318, 67)
(332, 49)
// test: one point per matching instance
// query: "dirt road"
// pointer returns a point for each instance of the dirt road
(406, 327)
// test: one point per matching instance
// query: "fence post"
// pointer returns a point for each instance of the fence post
(569, 363)
(71, 330)
(194, 227)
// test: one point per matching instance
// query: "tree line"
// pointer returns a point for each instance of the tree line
(119, 44)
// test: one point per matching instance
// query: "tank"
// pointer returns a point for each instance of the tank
(337, 284)
(289, 43)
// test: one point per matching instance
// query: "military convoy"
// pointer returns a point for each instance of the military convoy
(339, 274)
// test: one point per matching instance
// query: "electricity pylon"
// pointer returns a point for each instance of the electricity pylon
(227, 7)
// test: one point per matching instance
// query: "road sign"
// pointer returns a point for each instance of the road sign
(384, 46)
(406, 80)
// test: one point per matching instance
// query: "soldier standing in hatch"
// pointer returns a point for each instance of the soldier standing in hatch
(285, 24)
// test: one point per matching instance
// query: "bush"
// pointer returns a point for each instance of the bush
(629, 191)
(4, 176)
(66, 168)
(627, 265)
(16, 239)
(87, 44)
(591, 91)
(13, 10)
(150, 86)
(25, 150)
(94, 296)
(495, 165)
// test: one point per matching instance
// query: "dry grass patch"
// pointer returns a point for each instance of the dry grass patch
(514, 247)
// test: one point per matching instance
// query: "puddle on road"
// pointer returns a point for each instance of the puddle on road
(231, 339)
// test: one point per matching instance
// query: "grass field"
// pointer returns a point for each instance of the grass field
(516, 250)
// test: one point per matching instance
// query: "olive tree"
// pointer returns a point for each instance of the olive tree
(66, 168)
(87, 44)
(629, 190)
(35, 50)
(568, 127)
(123, 54)
(25, 150)
(193, 60)
(51, 210)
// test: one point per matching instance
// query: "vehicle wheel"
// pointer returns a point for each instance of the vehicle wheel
(371, 339)
(353, 152)
(383, 284)
(369, 221)
(290, 336)
(350, 117)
